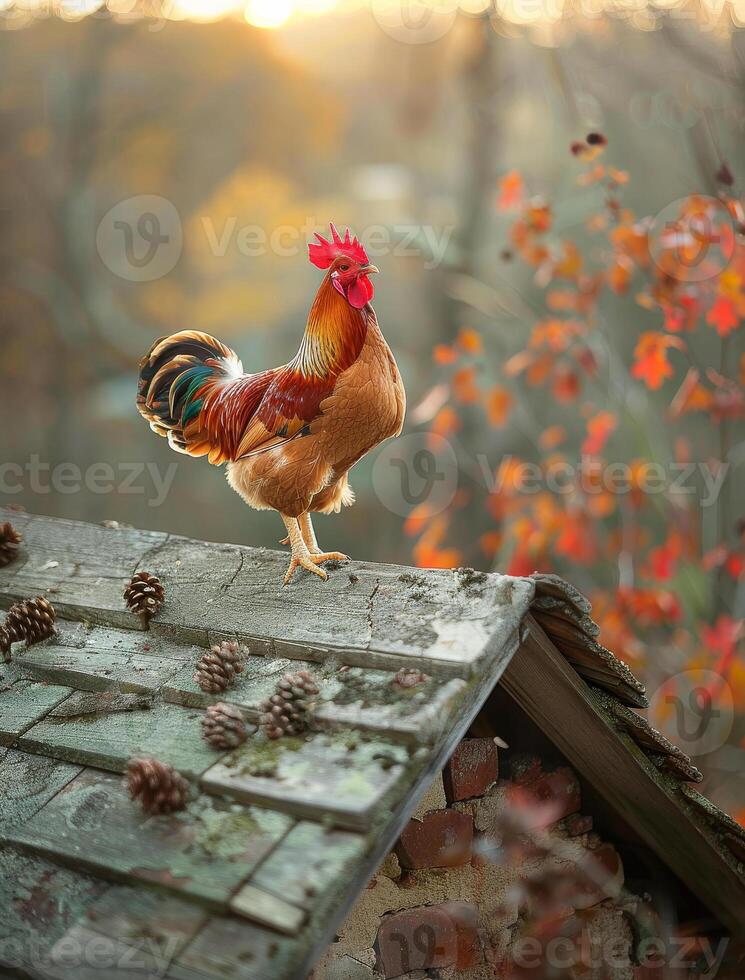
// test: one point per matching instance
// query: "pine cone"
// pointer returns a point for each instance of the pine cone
(9, 541)
(286, 712)
(144, 596)
(11, 632)
(157, 786)
(216, 670)
(409, 677)
(31, 620)
(223, 726)
(6, 639)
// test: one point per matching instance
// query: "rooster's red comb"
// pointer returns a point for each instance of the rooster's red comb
(324, 253)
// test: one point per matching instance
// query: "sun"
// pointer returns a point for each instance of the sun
(268, 13)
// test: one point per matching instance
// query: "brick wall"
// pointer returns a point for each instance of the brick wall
(499, 878)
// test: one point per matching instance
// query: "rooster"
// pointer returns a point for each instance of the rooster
(291, 434)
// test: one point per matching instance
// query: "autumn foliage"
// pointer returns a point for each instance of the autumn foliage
(629, 375)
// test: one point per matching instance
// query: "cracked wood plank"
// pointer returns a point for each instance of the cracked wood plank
(110, 641)
(83, 572)
(448, 623)
(268, 910)
(168, 732)
(40, 901)
(307, 866)
(127, 934)
(27, 783)
(90, 670)
(23, 703)
(234, 949)
(418, 714)
(341, 778)
(162, 924)
(204, 852)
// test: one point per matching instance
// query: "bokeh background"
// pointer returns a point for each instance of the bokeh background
(157, 159)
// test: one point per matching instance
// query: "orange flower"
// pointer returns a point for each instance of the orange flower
(723, 316)
(631, 240)
(555, 334)
(565, 385)
(427, 550)
(442, 354)
(570, 264)
(552, 437)
(498, 406)
(540, 369)
(619, 274)
(469, 340)
(538, 216)
(446, 422)
(464, 385)
(511, 190)
(577, 540)
(651, 363)
(663, 560)
(490, 543)
(599, 428)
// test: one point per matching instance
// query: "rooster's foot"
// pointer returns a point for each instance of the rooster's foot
(285, 540)
(311, 563)
(328, 556)
(306, 561)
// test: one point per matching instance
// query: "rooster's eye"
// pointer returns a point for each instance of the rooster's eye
(343, 268)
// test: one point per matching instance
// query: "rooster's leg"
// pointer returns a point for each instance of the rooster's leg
(301, 557)
(309, 536)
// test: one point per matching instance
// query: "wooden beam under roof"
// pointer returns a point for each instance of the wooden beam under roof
(551, 693)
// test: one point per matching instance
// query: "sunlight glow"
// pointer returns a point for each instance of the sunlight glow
(204, 10)
(268, 13)
(410, 21)
(315, 6)
(474, 6)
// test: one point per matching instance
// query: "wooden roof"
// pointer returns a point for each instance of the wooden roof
(252, 878)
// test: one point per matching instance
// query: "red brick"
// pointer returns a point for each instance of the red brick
(442, 839)
(649, 973)
(472, 769)
(577, 824)
(560, 789)
(429, 937)
(525, 769)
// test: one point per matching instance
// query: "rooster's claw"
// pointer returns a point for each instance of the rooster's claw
(311, 563)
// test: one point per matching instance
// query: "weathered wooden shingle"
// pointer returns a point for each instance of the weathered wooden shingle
(27, 782)
(204, 852)
(655, 743)
(108, 740)
(23, 703)
(451, 625)
(341, 778)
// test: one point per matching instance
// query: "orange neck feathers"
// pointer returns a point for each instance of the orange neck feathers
(334, 334)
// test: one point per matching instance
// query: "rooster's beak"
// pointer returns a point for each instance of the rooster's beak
(369, 270)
